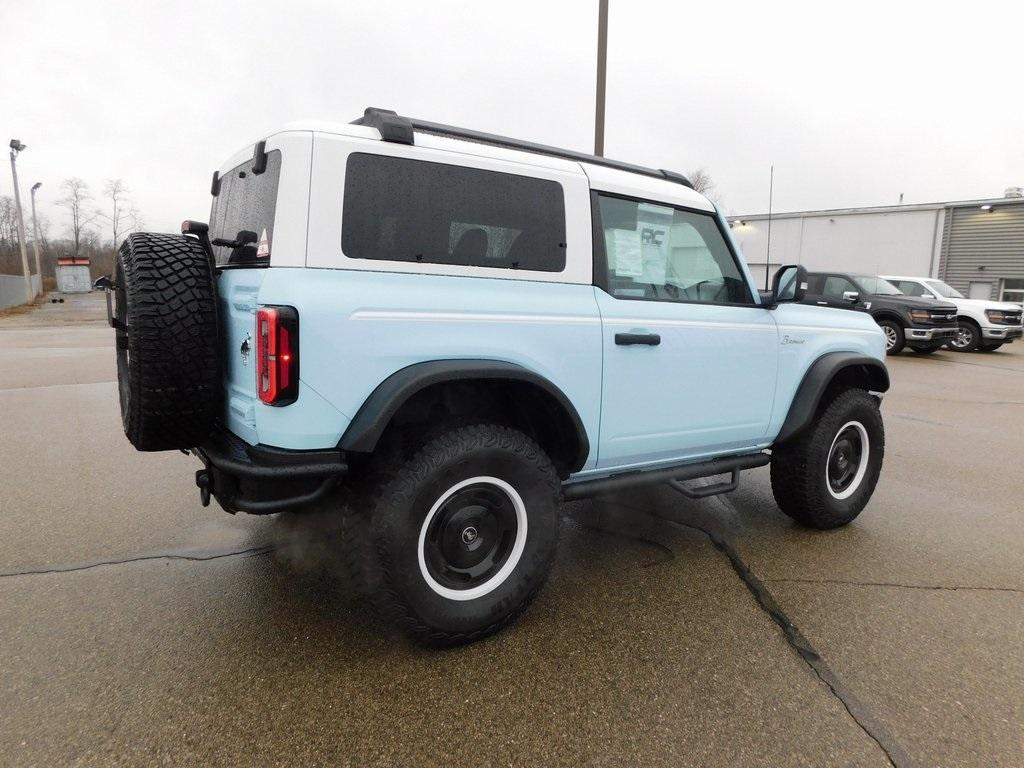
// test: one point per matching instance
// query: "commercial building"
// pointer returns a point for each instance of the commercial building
(977, 246)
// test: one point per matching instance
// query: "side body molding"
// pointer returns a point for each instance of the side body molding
(817, 379)
(378, 409)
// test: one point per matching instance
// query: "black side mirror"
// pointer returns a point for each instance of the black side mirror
(789, 284)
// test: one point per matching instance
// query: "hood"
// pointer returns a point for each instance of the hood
(917, 302)
(1005, 306)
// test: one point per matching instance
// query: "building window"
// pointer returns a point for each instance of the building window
(433, 213)
(1013, 290)
(655, 251)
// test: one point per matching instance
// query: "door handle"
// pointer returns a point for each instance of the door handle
(647, 339)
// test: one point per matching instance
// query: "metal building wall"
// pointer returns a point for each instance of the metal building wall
(983, 246)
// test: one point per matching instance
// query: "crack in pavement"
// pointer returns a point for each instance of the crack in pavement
(929, 587)
(855, 708)
(189, 555)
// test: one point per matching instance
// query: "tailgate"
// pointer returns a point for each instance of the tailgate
(238, 289)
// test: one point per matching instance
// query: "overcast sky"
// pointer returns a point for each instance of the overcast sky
(853, 105)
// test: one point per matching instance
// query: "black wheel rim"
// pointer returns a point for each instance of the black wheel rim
(845, 459)
(470, 537)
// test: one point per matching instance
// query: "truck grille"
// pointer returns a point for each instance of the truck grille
(943, 318)
(1011, 318)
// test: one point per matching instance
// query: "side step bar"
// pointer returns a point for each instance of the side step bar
(583, 489)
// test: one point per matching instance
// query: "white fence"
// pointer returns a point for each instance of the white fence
(12, 290)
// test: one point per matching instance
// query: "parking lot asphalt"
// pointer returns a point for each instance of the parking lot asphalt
(137, 627)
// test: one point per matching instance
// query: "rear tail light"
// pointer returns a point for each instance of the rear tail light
(277, 355)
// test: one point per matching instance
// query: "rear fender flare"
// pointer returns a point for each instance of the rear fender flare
(376, 412)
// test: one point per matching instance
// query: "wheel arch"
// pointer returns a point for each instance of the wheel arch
(529, 401)
(832, 372)
(888, 314)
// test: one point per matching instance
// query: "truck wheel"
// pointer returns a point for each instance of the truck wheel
(894, 339)
(989, 347)
(968, 336)
(168, 369)
(460, 537)
(826, 475)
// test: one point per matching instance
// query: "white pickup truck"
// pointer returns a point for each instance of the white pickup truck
(985, 325)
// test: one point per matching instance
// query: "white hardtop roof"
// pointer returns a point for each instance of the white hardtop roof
(601, 178)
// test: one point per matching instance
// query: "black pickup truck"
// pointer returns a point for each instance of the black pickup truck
(924, 325)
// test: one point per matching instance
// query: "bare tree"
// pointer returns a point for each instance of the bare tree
(118, 215)
(76, 199)
(136, 222)
(702, 182)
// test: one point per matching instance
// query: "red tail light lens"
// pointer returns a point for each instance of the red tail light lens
(277, 355)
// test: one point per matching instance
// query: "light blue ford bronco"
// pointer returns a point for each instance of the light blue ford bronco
(441, 334)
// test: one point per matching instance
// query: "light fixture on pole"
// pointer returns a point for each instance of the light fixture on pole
(35, 234)
(16, 147)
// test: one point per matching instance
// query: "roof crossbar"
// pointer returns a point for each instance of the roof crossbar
(394, 127)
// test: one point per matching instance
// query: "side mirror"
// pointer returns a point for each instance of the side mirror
(789, 284)
(851, 296)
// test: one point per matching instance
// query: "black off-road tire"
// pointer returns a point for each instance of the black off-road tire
(168, 362)
(384, 522)
(894, 337)
(800, 481)
(969, 336)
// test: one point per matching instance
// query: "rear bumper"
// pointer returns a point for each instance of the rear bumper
(943, 333)
(262, 480)
(1006, 333)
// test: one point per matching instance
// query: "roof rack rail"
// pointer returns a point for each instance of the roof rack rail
(394, 127)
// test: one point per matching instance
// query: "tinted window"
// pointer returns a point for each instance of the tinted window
(878, 286)
(836, 286)
(411, 210)
(243, 212)
(656, 251)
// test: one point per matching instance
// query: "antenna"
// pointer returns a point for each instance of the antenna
(768, 249)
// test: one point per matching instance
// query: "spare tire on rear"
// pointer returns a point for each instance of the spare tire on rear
(168, 367)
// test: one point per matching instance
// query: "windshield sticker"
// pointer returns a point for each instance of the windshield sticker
(263, 249)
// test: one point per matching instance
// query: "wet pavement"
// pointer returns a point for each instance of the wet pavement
(137, 627)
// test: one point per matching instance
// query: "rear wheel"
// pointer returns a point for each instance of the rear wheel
(826, 475)
(459, 538)
(894, 339)
(168, 368)
(968, 336)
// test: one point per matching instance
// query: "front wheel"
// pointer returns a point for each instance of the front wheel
(460, 537)
(968, 337)
(826, 475)
(894, 338)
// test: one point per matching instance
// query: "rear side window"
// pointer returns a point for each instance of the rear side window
(432, 213)
(243, 213)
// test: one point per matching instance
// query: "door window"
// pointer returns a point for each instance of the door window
(911, 288)
(658, 252)
(836, 286)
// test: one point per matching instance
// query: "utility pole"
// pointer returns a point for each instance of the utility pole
(35, 234)
(602, 68)
(768, 248)
(16, 147)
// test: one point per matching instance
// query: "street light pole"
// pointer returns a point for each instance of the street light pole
(35, 234)
(16, 147)
(602, 66)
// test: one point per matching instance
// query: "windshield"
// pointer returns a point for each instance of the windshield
(943, 290)
(878, 286)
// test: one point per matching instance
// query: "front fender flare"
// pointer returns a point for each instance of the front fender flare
(816, 381)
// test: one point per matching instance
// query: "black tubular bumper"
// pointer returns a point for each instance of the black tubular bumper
(262, 480)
